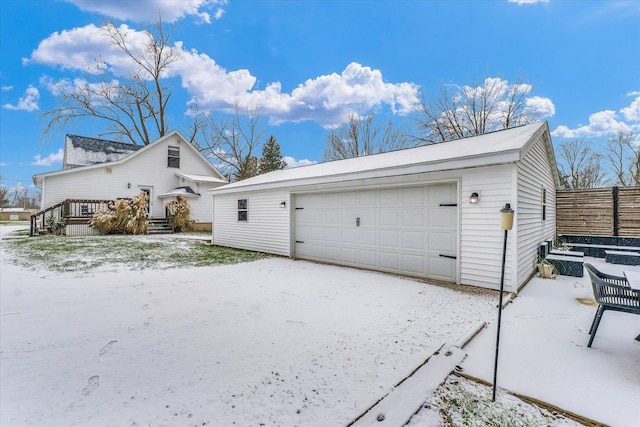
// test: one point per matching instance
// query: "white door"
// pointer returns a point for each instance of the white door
(149, 191)
(408, 230)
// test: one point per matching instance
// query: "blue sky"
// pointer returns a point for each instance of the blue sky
(307, 64)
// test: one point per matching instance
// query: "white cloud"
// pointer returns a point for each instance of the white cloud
(51, 159)
(606, 122)
(600, 124)
(539, 108)
(85, 47)
(327, 99)
(7, 88)
(632, 112)
(150, 10)
(528, 1)
(27, 102)
(293, 163)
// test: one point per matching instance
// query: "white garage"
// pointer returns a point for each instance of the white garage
(408, 212)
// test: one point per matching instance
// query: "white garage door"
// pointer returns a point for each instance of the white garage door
(409, 230)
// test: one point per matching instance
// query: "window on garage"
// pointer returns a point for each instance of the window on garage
(243, 210)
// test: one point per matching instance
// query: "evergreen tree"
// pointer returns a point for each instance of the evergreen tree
(271, 159)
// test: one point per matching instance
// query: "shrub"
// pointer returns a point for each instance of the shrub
(178, 214)
(54, 226)
(122, 216)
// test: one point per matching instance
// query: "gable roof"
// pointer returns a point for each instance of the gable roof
(84, 151)
(37, 178)
(504, 146)
(201, 178)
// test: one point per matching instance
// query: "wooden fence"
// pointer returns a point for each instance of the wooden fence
(613, 211)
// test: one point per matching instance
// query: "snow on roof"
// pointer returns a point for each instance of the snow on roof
(180, 191)
(489, 144)
(200, 178)
(84, 151)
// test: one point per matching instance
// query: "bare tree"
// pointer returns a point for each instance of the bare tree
(362, 136)
(461, 111)
(580, 167)
(4, 196)
(22, 197)
(624, 156)
(232, 142)
(134, 109)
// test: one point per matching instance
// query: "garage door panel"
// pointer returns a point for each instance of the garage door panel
(442, 193)
(332, 235)
(413, 217)
(389, 238)
(368, 258)
(413, 264)
(331, 217)
(349, 255)
(412, 196)
(367, 198)
(316, 216)
(389, 197)
(332, 253)
(368, 237)
(403, 230)
(349, 237)
(390, 260)
(389, 217)
(348, 199)
(348, 217)
(413, 239)
(441, 267)
(367, 217)
(439, 217)
(316, 233)
(442, 242)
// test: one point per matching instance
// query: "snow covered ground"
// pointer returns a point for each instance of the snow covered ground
(544, 353)
(272, 342)
(281, 342)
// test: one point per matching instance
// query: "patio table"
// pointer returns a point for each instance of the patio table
(633, 277)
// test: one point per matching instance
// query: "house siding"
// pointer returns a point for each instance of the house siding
(267, 227)
(534, 174)
(481, 238)
(148, 169)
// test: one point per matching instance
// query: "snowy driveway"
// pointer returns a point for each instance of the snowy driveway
(272, 342)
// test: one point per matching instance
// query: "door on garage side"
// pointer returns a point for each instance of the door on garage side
(406, 230)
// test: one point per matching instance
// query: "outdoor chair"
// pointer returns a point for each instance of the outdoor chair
(611, 293)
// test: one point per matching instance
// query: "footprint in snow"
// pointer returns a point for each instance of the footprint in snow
(93, 384)
(107, 348)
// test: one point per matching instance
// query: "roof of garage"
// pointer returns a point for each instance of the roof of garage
(500, 147)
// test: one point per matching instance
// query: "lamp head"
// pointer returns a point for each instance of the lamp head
(506, 217)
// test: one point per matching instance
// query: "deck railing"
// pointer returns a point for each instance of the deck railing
(69, 212)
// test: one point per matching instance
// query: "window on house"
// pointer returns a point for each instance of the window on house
(243, 210)
(173, 159)
(544, 204)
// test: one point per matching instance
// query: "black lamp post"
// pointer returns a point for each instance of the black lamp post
(506, 224)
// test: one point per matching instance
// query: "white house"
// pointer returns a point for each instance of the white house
(409, 211)
(96, 169)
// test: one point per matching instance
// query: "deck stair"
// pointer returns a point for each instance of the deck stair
(158, 226)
